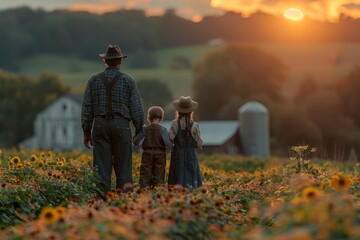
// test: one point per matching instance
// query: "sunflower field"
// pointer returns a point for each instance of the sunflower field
(53, 195)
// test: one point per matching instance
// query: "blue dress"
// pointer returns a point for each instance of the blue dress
(184, 165)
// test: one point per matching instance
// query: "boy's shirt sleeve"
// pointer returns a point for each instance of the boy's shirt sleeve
(166, 138)
(138, 139)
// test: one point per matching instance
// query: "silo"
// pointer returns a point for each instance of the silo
(254, 129)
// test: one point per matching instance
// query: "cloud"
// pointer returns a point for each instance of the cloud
(185, 8)
(325, 10)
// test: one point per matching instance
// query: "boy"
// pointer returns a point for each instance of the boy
(154, 140)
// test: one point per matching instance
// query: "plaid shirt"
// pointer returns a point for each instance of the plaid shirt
(125, 100)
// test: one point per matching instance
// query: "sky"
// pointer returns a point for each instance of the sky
(324, 10)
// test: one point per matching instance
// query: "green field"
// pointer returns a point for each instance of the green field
(325, 62)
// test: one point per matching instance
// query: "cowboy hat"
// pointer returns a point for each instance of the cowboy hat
(185, 104)
(112, 52)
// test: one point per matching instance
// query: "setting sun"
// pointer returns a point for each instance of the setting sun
(293, 14)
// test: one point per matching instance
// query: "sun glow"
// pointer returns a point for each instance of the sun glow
(293, 14)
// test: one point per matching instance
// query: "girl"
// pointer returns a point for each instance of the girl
(185, 133)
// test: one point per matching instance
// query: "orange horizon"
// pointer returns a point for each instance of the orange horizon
(326, 11)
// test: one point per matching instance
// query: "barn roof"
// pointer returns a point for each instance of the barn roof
(214, 132)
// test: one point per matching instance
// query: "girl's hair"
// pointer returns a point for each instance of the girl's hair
(155, 112)
(113, 62)
(188, 118)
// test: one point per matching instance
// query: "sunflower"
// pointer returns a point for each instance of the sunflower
(60, 164)
(19, 166)
(49, 215)
(42, 154)
(33, 158)
(311, 194)
(40, 164)
(341, 182)
(61, 211)
(16, 160)
(27, 165)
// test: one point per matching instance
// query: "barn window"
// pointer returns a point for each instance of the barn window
(64, 131)
(64, 107)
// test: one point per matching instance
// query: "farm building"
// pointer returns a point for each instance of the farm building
(218, 136)
(58, 127)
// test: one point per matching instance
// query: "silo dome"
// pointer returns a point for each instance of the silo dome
(254, 129)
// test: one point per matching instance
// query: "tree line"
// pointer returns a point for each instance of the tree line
(321, 113)
(325, 115)
(25, 32)
(21, 99)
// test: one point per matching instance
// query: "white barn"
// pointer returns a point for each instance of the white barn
(58, 127)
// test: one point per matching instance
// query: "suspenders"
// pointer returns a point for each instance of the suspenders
(109, 85)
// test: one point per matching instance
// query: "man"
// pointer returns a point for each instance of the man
(111, 101)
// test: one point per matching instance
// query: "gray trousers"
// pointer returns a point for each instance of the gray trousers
(113, 149)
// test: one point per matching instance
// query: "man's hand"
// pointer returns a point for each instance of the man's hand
(88, 141)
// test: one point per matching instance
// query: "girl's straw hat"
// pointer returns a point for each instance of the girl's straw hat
(185, 104)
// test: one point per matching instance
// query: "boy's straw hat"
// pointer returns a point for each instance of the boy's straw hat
(185, 104)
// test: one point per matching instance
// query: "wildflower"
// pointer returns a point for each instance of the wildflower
(311, 194)
(27, 165)
(60, 164)
(49, 215)
(19, 166)
(277, 203)
(40, 164)
(61, 211)
(341, 182)
(16, 160)
(296, 200)
(325, 183)
(299, 149)
(33, 158)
